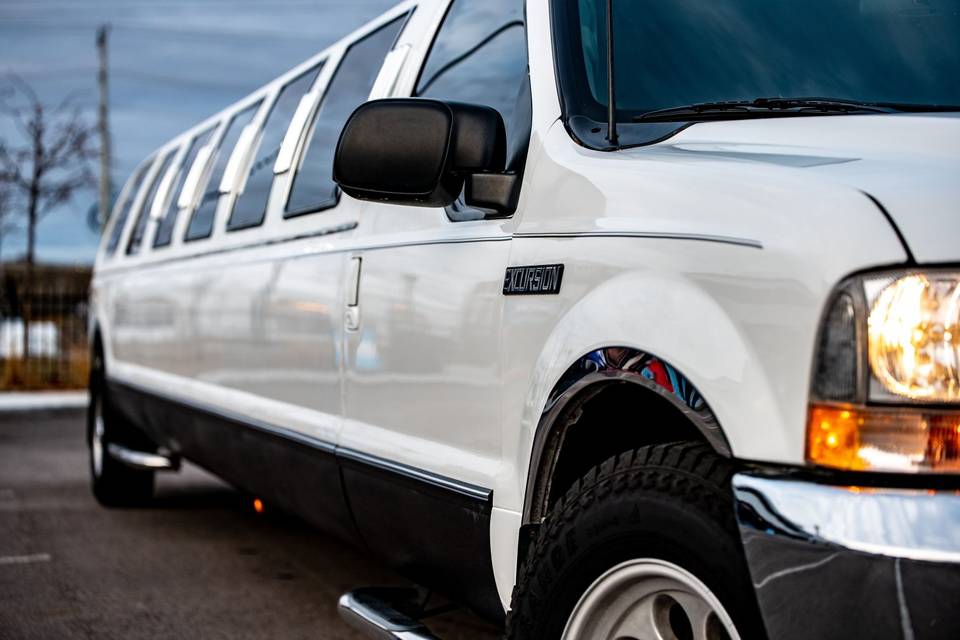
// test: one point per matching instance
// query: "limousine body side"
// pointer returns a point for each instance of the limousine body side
(598, 382)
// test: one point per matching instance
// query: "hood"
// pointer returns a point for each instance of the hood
(909, 163)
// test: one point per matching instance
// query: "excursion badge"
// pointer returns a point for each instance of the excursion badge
(537, 279)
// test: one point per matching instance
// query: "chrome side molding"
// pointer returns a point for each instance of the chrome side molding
(142, 459)
(383, 613)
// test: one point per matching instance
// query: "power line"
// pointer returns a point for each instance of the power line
(136, 74)
(39, 6)
(205, 33)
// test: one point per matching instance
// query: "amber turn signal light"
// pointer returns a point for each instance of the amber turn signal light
(883, 439)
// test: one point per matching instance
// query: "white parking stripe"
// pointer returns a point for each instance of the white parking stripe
(36, 557)
(905, 624)
(803, 567)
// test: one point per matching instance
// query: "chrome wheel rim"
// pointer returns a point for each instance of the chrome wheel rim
(96, 439)
(649, 599)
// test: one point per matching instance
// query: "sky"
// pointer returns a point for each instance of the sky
(172, 63)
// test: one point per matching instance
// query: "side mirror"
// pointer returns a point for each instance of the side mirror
(416, 151)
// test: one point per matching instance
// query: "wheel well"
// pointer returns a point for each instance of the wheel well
(604, 420)
(610, 400)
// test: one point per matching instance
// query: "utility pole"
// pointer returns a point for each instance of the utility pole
(103, 125)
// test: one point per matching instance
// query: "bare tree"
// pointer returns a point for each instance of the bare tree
(47, 169)
(7, 221)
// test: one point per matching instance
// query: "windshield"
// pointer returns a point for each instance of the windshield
(671, 53)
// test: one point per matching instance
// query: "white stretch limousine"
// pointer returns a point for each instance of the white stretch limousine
(604, 319)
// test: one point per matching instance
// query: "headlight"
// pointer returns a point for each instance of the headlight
(914, 337)
(886, 371)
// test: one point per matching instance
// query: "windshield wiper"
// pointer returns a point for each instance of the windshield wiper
(761, 108)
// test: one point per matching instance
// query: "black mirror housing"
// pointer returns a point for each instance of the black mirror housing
(417, 151)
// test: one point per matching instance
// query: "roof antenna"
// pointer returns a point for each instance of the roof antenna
(611, 94)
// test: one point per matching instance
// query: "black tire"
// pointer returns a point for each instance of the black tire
(114, 484)
(672, 502)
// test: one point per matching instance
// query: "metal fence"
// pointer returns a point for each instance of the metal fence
(43, 331)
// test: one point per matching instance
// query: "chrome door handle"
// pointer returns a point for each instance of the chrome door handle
(351, 316)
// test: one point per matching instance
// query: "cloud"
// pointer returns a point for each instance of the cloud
(173, 63)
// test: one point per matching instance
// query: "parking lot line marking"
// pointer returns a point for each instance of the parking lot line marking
(905, 623)
(786, 572)
(28, 559)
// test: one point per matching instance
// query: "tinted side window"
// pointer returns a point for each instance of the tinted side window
(201, 222)
(143, 216)
(251, 205)
(169, 220)
(480, 56)
(313, 187)
(124, 212)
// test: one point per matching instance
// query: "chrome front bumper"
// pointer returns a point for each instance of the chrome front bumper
(851, 562)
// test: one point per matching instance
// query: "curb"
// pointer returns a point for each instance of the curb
(17, 402)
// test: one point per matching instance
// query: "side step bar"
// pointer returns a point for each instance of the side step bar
(143, 460)
(384, 613)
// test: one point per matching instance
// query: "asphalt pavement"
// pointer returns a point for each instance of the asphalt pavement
(199, 563)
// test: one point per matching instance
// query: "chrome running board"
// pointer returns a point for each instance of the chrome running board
(384, 613)
(143, 460)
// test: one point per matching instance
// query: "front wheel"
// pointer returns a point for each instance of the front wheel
(649, 598)
(643, 546)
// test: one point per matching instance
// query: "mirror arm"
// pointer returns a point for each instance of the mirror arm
(497, 191)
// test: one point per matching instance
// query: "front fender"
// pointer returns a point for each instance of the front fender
(676, 320)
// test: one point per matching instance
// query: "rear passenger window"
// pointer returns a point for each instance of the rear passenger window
(124, 212)
(169, 220)
(313, 187)
(201, 222)
(251, 204)
(143, 216)
(480, 56)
